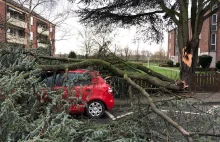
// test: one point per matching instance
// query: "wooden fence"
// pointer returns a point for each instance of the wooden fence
(203, 82)
(208, 82)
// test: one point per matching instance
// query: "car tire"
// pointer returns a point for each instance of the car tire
(95, 109)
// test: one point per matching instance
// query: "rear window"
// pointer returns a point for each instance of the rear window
(73, 79)
(76, 79)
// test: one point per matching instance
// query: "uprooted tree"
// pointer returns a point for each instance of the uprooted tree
(151, 17)
(26, 117)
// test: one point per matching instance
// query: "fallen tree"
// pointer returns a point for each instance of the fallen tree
(115, 71)
(24, 118)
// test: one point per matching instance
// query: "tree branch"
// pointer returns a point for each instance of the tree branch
(170, 12)
(204, 134)
(209, 7)
(160, 113)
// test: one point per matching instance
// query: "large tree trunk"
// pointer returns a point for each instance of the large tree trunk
(188, 37)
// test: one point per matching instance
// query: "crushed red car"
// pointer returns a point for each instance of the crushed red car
(85, 85)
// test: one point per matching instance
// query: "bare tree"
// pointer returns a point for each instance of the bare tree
(86, 41)
(137, 50)
(119, 52)
(143, 52)
(159, 55)
(127, 53)
(147, 16)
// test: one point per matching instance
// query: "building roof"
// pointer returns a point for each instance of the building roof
(12, 2)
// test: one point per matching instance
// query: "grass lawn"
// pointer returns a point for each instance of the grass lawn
(172, 73)
(169, 73)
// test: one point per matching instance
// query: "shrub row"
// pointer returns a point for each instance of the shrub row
(169, 64)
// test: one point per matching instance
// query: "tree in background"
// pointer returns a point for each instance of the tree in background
(127, 53)
(151, 17)
(86, 41)
(72, 54)
(159, 55)
(145, 54)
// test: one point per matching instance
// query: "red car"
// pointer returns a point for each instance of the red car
(85, 85)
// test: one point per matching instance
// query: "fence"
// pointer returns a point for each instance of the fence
(208, 82)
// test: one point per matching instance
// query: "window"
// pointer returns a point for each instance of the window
(170, 46)
(32, 21)
(213, 42)
(16, 32)
(43, 39)
(43, 26)
(31, 36)
(170, 35)
(13, 32)
(16, 14)
(59, 79)
(21, 33)
(214, 22)
(77, 79)
(214, 7)
(73, 79)
(48, 81)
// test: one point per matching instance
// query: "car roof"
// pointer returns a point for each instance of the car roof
(79, 71)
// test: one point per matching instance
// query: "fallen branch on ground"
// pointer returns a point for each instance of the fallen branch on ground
(158, 112)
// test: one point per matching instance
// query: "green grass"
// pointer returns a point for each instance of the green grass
(171, 72)
(168, 73)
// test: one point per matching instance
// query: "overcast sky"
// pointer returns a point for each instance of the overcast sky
(67, 38)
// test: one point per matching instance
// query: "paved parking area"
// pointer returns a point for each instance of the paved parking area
(123, 107)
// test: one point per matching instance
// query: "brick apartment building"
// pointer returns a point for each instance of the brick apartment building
(209, 41)
(14, 27)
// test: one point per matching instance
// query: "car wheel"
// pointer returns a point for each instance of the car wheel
(95, 109)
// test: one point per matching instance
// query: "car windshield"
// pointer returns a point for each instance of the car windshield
(73, 79)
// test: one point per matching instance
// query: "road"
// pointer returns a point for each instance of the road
(119, 113)
(123, 109)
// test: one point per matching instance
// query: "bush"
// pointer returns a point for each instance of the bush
(205, 61)
(163, 65)
(72, 54)
(218, 65)
(177, 64)
(170, 63)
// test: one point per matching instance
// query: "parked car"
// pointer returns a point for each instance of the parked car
(88, 86)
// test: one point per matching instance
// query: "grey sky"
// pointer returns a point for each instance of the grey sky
(66, 32)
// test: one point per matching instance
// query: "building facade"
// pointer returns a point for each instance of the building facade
(209, 43)
(18, 26)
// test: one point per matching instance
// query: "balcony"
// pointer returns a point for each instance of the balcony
(16, 39)
(43, 31)
(17, 22)
(42, 45)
